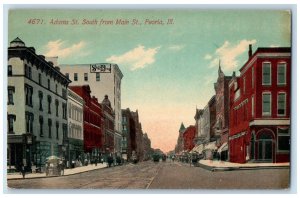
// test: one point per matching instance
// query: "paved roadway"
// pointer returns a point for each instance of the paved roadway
(162, 175)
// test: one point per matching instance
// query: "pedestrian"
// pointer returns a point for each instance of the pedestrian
(62, 167)
(23, 170)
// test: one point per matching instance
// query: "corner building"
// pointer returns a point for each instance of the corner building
(36, 108)
(260, 108)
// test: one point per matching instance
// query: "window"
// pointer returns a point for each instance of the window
(75, 77)
(28, 95)
(56, 105)
(65, 131)
(49, 128)
(9, 70)
(281, 74)
(29, 73)
(266, 102)
(64, 93)
(49, 104)
(57, 127)
(281, 104)
(283, 139)
(40, 79)
(86, 78)
(253, 77)
(97, 76)
(266, 72)
(11, 118)
(29, 122)
(41, 120)
(64, 110)
(10, 94)
(49, 84)
(26, 70)
(41, 100)
(55, 88)
(67, 75)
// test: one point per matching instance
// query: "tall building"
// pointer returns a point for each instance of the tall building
(75, 125)
(260, 107)
(138, 135)
(180, 142)
(188, 138)
(93, 122)
(129, 143)
(109, 121)
(101, 84)
(200, 138)
(36, 107)
(222, 110)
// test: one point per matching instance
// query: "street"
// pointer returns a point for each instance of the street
(162, 175)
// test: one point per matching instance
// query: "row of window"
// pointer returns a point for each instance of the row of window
(75, 112)
(28, 74)
(267, 73)
(267, 104)
(85, 76)
(49, 124)
(241, 114)
(28, 100)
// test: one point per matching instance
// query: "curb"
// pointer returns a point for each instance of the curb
(56, 176)
(215, 169)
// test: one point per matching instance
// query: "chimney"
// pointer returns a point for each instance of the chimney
(250, 51)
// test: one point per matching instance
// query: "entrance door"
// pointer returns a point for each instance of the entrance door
(265, 148)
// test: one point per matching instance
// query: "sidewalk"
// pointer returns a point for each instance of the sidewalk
(228, 166)
(67, 172)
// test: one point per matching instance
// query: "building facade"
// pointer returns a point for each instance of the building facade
(138, 135)
(180, 142)
(147, 147)
(93, 122)
(75, 138)
(129, 143)
(188, 138)
(36, 107)
(109, 121)
(260, 107)
(199, 139)
(222, 110)
(101, 84)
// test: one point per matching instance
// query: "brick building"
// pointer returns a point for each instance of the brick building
(128, 134)
(108, 126)
(260, 107)
(222, 110)
(93, 121)
(188, 138)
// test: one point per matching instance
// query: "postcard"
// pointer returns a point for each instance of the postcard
(148, 99)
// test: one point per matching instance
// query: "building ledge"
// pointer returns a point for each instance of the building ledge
(261, 122)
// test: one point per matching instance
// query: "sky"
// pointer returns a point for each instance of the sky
(168, 69)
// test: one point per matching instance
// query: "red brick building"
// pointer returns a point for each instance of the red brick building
(188, 138)
(93, 120)
(108, 126)
(260, 107)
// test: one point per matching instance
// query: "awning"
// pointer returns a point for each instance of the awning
(198, 148)
(224, 147)
(211, 146)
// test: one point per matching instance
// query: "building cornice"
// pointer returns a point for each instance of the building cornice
(263, 122)
(39, 62)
